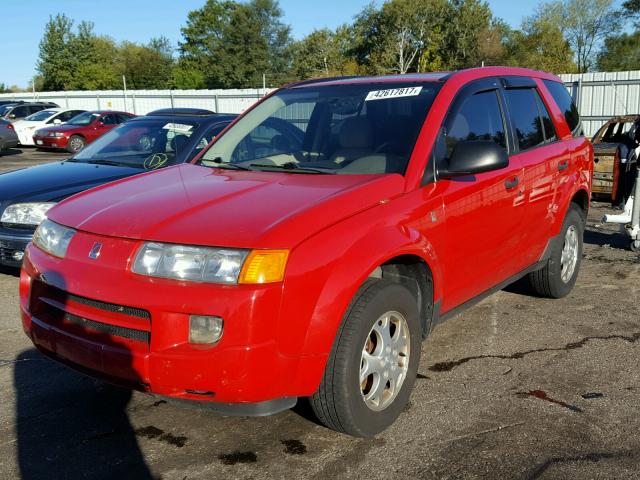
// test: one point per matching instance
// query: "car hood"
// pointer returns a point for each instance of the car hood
(196, 205)
(55, 181)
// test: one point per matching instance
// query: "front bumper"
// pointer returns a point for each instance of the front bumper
(50, 142)
(103, 320)
(12, 246)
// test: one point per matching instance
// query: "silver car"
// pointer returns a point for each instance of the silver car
(8, 136)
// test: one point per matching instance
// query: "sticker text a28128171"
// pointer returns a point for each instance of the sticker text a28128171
(393, 93)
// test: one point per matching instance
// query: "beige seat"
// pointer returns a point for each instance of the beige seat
(355, 140)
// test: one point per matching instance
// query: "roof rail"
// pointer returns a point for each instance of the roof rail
(182, 112)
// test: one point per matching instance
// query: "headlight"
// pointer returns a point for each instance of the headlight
(53, 238)
(55, 134)
(211, 265)
(26, 213)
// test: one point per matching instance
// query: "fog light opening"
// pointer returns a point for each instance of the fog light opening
(205, 329)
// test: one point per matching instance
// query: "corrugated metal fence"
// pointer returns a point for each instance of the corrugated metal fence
(599, 96)
(141, 102)
(602, 95)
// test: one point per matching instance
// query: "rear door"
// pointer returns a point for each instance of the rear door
(484, 213)
(542, 155)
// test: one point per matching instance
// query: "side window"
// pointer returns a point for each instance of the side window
(109, 119)
(479, 118)
(21, 112)
(123, 118)
(526, 117)
(36, 108)
(567, 107)
(547, 123)
(65, 116)
(209, 135)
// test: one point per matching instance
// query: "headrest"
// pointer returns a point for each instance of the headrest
(356, 132)
(178, 142)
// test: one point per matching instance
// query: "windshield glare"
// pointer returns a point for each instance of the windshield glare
(147, 144)
(344, 129)
(40, 116)
(83, 119)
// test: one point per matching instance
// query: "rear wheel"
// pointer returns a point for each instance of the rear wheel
(373, 364)
(75, 143)
(557, 278)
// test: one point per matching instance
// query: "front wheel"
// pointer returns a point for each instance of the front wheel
(557, 278)
(75, 144)
(373, 363)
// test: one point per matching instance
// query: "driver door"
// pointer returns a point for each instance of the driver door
(484, 213)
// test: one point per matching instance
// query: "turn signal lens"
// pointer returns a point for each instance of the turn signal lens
(264, 266)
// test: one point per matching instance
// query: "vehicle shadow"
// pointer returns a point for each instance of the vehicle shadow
(14, 272)
(69, 425)
(10, 151)
(612, 239)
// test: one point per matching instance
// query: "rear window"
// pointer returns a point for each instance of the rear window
(566, 105)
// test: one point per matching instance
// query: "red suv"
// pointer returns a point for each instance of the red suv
(80, 131)
(315, 243)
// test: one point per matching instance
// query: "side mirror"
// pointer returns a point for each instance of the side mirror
(12, 115)
(57, 121)
(474, 156)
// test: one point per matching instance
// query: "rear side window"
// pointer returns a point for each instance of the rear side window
(479, 118)
(525, 117)
(547, 124)
(565, 103)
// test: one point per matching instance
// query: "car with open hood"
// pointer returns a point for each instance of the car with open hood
(315, 243)
(159, 139)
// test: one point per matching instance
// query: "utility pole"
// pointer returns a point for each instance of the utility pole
(124, 91)
(264, 83)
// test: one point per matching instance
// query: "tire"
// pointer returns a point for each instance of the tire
(75, 144)
(340, 401)
(552, 280)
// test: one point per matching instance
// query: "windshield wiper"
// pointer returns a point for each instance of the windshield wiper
(229, 166)
(292, 167)
(107, 162)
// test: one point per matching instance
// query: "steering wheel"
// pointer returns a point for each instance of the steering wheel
(155, 161)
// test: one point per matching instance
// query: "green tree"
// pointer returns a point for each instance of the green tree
(539, 44)
(620, 53)
(146, 66)
(233, 44)
(56, 62)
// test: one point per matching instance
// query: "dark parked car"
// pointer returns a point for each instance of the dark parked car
(18, 111)
(8, 136)
(80, 131)
(160, 139)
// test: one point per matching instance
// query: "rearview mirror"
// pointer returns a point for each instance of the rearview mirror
(474, 156)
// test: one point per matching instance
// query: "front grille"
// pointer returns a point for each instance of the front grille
(139, 335)
(8, 249)
(58, 307)
(109, 307)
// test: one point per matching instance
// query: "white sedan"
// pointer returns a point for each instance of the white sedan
(51, 116)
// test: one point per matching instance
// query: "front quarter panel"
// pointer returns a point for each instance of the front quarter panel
(325, 271)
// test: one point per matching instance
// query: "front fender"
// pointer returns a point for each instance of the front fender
(325, 271)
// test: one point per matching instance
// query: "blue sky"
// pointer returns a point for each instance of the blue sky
(23, 22)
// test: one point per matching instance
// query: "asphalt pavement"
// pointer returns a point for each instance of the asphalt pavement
(517, 387)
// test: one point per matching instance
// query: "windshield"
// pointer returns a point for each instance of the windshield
(41, 115)
(344, 129)
(83, 119)
(148, 144)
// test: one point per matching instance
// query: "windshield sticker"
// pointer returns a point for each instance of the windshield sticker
(393, 93)
(178, 126)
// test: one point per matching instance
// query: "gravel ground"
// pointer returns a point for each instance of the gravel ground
(515, 388)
